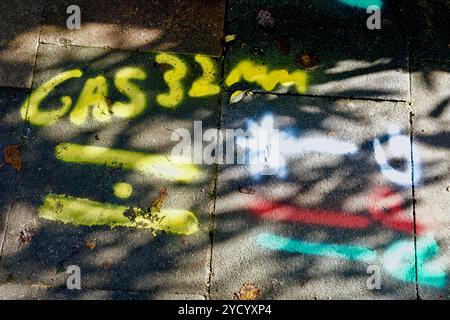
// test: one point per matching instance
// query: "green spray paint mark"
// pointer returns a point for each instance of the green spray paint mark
(152, 164)
(362, 4)
(398, 260)
(90, 213)
(353, 253)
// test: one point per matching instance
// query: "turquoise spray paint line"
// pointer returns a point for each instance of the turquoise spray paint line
(352, 253)
(362, 4)
(398, 260)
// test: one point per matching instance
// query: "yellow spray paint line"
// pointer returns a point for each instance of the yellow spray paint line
(256, 73)
(152, 164)
(86, 212)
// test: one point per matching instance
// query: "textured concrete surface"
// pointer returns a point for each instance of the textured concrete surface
(11, 131)
(122, 260)
(358, 86)
(174, 25)
(430, 21)
(20, 24)
(431, 133)
(351, 60)
(316, 181)
(41, 292)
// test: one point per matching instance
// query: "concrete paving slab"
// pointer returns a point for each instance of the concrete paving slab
(430, 22)
(431, 133)
(342, 57)
(114, 156)
(41, 292)
(294, 236)
(19, 39)
(11, 131)
(174, 25)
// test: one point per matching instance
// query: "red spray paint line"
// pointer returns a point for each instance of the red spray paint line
(283, 212)
(391, 217)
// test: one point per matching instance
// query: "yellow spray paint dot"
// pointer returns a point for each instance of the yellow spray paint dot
(123, 190)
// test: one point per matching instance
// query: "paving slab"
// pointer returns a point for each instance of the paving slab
(339, 56)
(431, 105)
(19, 39)
(297, 234)
(11, 131)
(430, 22)
(40, 292)
(174, 25)
(109, 150)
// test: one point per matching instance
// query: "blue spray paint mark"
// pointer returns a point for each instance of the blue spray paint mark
(352, 253)
(362, 4)
(398, 260)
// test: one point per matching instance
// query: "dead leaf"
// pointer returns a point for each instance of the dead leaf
(11, 155)
(159, 200)
(91, 245)
(26, 236)
(265, 20)
(249, 291)
(246, 190)
(283, 43)
(230, 38)
(237, 96)
(307, 61)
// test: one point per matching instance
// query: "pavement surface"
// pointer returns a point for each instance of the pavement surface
(355, 206)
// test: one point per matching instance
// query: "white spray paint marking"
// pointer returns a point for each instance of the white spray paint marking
(270, 149)
(399, 146)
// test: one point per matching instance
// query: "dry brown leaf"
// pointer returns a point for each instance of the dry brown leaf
(26, 236)
(91, 245)
(249, 291)
(307, 61)
(11, 155)
(160, 199)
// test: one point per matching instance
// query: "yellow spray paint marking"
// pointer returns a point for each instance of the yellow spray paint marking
(90, 213)
(123, 190)
(39, 117)
(93, 96)
(173, 79)
(260, 74)
(205, 85)
(152, 164)
(138, 99)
